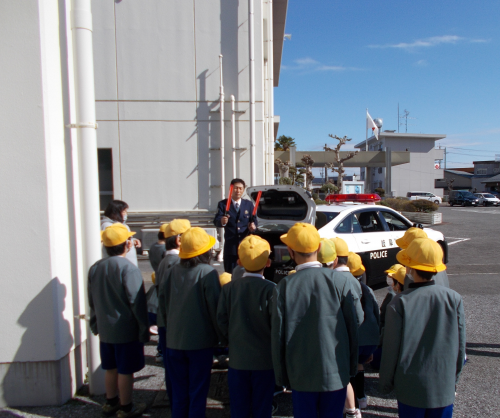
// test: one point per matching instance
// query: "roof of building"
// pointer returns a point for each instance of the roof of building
(382, 135)
(460, 173)
(279, 19)
(466, 169)
(494, 179)
(485, 162)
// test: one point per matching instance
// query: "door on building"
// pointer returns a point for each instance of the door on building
(105, 164)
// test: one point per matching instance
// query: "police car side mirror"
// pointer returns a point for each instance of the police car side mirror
(415, 225)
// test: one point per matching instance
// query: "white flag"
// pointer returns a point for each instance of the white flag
(370, 125)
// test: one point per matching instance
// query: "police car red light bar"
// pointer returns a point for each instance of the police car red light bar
(359, 198)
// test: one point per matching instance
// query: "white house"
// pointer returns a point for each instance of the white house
(420, 174)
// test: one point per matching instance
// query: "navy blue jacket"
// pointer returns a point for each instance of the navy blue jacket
(237, 226)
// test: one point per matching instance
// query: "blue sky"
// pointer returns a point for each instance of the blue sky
(440, 60)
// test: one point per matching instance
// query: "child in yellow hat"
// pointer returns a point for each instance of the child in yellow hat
(118, 314)
(244, 318)
(188, 296)
(368, 331)
(163, 255)
(423, 350)
(441, 277)
(313, 311)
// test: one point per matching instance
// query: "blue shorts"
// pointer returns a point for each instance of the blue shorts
(128, 358)
(364, 352)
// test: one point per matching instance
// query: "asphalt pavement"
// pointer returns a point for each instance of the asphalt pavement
(474, 272)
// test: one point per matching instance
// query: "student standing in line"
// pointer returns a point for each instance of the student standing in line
(118, 314)
(441, 277)
(395, 279)
(244, 317)
(157, 250)
(117, 212)
(188, 297)
(314, 330)
(369, 331)
(424, 340)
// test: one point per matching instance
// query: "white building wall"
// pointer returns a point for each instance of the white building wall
(157, 87)
(41, 357)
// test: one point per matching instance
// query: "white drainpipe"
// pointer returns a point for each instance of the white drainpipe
(271, 94)
(233, 132)
(251, 26)
(222, 157)
(266, 122)
(81, 26)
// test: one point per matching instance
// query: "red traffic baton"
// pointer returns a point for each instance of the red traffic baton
(229, 198)
(257, 201)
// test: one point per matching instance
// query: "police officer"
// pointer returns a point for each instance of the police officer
(237, 225)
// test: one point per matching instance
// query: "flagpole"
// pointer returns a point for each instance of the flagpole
(366, 123)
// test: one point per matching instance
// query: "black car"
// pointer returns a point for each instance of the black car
(462, 198)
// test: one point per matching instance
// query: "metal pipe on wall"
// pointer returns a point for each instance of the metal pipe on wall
(270, 180)
(81, 27)
(233, 132)
(251, 52)
(265, 148)
(222, 157)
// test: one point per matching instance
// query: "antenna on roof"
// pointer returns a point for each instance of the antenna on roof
(405, 117)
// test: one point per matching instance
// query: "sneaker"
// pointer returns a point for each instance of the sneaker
(278, 390)
(153, 329)
(363, 403)
(109, 410)
(355, 414)
(136, 411)
(275, 408)
(159, 357)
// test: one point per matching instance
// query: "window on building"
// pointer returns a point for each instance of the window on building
(481, 171)
(380, 170)
(105, 164)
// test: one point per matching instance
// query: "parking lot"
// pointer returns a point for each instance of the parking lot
(474, 272)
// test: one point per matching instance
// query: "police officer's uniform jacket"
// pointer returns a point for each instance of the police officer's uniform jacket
(237, 225)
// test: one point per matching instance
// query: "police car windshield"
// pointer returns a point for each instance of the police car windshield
(322, 218)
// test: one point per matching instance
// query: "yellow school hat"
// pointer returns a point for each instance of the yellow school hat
(327, 253)
(115, 234)
(195, 241)
(176, 227)
(410, 234)
(397, 272)
(302, 237)
(341, 247)
(153, 277)
(355, 264)
(224, 278)
(291, 272)
(422, 254)
(163, 228)
(253, 253)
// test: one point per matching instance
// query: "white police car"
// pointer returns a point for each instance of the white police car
(369, 230)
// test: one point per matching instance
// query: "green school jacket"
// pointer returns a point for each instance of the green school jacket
(356, 294)
(424, 346)
(156, 254)
(440, 279)
(244, 318)
(187, 307)
(168, 261)
(314, 331)
(118, 311)
(369, 331)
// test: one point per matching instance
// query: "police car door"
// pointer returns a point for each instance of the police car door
(397, 226)
(371, 240)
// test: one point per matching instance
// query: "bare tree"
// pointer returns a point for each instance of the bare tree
(284, 167)
(449, 183)
(308, 162)
(339, 166)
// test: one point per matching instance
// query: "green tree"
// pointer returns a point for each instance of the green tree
(283, 143)
(329, 188)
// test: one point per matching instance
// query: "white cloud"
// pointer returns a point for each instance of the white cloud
(430, 42)
(308, 64)
(422, 63)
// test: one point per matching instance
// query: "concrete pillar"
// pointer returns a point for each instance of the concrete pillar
(388, 172)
